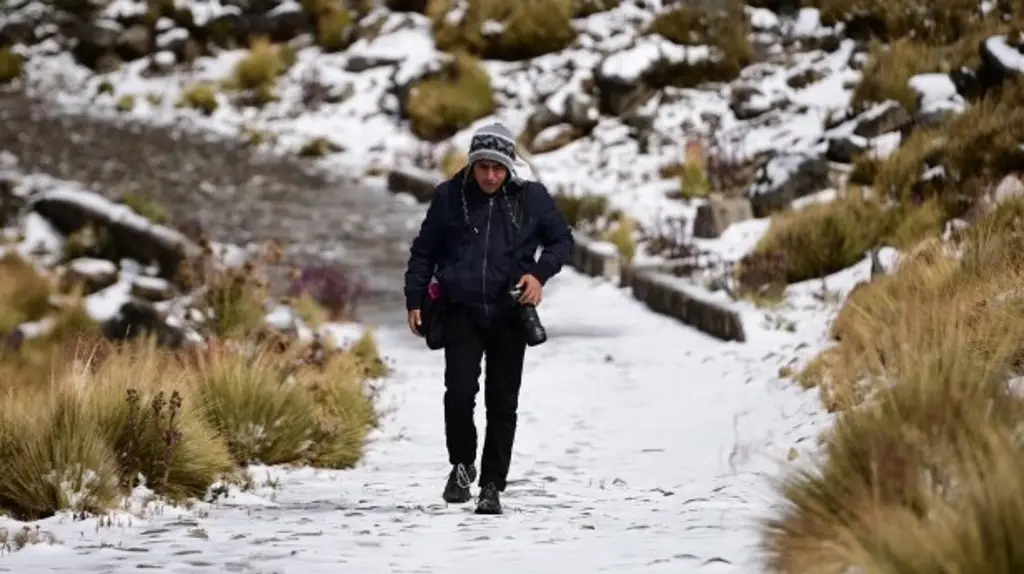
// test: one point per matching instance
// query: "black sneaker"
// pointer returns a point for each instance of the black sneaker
(456, 491)
(488, 503)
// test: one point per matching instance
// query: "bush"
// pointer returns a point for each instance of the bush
(236, 300)
(582, 212)
(923, 476)
(824, 238)
(11, 66)
(335, 289)
(147, 207)
(257, 72)
(115, 416)
(52, 457)
(933, 23)
(499, 30)
(725, 30)
(145, 404)
(202, 97)
(964, 155)
(441, 105)
(24, 293)
(584, 8)
(333, 23)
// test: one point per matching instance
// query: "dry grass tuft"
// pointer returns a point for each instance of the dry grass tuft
(116, 416)
(499, 30)
(921, 470)
(24, 293)
(725, 30)
(962, 157)
(441, 105)
(11, 65)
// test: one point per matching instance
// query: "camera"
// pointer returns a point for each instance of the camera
(535, 333)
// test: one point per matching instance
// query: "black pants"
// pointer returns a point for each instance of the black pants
(468, 339)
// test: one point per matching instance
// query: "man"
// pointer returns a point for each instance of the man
(479, 239)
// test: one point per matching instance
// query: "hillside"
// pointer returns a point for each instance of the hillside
(770, 150)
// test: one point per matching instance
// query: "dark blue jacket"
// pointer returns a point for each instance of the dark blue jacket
(469, 243)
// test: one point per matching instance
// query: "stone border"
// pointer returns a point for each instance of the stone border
(654, 285)
(662, 292)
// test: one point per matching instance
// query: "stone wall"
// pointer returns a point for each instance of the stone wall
(660, 291)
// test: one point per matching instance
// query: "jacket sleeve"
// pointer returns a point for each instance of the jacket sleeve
(424, 251)
(554, 234)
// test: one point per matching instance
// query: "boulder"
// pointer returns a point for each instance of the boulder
(133, 235)
(845, 149)
(416, 182)
(884, 118)
(90, 273)
(1002, 58)
(138, 318)
(785, 178)
(715, 216)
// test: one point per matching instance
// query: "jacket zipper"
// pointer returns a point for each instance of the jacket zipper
(487, 242)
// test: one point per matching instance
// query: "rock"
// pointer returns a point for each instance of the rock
(228, 30)
(1002, 58)
(132, 235)
(749, 102)
(90, 273)
(715, 216)
(137, 317)
(134, 43)
(785, 178)
(419, 6)
(152, 288)
(846, 149)
(554, 137)
(581, 111)
(884, 261)
(967, 83)
(10, 202)
(357, 63)
(285, 22)
(884, 118)
(416, 182)
(1009, 188)
(18, 32)
(96, 41)
(619, 92)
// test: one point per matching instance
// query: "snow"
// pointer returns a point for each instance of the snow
(938, 93)
(644, 446)
(92, 267)
(691, 424)
(609, 161)
(1008, 56)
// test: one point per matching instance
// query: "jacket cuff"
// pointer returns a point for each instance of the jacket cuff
(540, 271)
(412, 302)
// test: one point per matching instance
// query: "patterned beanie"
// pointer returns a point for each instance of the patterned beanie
(495, 143)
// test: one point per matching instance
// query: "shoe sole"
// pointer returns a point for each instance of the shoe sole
(460, 498)
(487, 512)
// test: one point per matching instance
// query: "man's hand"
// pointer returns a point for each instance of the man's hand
(415, 322)
(533, 291)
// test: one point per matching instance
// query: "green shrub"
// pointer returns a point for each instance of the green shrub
(202, 97)
(500, 30)
(441, 105)
(11, 66)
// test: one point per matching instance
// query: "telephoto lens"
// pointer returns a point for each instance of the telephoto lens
(535, 333)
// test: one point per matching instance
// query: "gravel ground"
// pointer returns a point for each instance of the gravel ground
(231, 192)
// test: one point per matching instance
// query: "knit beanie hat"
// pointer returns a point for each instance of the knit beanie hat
(495, 143)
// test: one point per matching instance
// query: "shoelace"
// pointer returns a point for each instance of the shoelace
(462, 476)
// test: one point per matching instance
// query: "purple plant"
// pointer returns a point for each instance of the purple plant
(334, 287)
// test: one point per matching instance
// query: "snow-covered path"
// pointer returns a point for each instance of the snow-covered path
(643, 447)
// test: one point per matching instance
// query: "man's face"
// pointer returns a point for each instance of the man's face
(489, 175)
